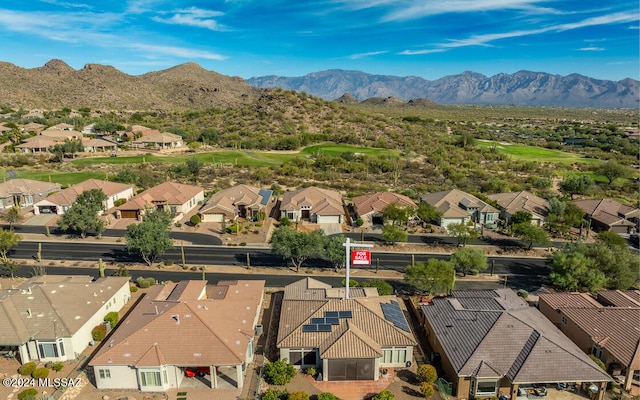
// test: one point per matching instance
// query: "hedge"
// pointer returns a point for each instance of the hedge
(112, 318)
(40, 373)
(27, 369)
(99, 333)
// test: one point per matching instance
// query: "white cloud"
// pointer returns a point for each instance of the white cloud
(194, 16)
(363, 55)
(66, 4)
(592, 49)
(418, 9)
(176, 51)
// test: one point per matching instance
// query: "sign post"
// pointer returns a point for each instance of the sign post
(359, 258)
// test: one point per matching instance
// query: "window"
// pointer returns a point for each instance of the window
(166, 377)
(399, 356)
(51, 349)
(302, 357)
(386, 356)
(486, 388)
(104, 373)
(394, 356)
(150, 378)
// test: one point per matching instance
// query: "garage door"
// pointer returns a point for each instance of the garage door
(351, 370)
(328, 219)
(129, 214)
(212, 217)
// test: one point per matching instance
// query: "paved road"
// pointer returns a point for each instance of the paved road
(486, 241)
(526, 273)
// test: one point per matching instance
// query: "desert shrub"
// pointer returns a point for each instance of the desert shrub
(243, 244)
(275, 394)
(473, 272)
(26, 394)
(279, 372)
(40, 373)
(119, 202)
(58, 366)
(133, 288)
(49, 364)
(99, 332)
(522, 294)
(427, 373)
(384, 395)
(168, 263)
(145, 282)
(112, 318)
(327, 396)
(426, 389)
(195, 219)
(27, 369)
(359, 222)
(352, 283)
(284, 221)
(298, 396)
(311, 371)
(384, 288)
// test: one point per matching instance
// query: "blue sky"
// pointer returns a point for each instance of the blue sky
(426, 38)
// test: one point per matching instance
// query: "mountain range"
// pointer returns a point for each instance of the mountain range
(524, 88)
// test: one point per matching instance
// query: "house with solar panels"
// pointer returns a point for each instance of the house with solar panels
(346, 339)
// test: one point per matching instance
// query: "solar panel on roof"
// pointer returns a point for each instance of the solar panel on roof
(309, 328)
(317, 320)
(394, 314)
(332, 321)
(331, 314)
(345, 314)
(324, 328)
(266, 194)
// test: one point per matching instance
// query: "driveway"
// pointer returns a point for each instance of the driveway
(40, 220)
(331, 229)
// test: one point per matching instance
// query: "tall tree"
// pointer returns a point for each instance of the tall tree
(520, 217)
(334, 251)
(435, 276)
(611, 170)
(193, 165)
(531, 234)
(8, 239)
(427, 213)
(467, 258)
(392, 234)
(397, 214)
(295, 245)
(150, 238)
(12, 216)
(577, 184)
(82, 216)
(463, 233)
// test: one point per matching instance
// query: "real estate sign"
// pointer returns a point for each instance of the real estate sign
(360, 257)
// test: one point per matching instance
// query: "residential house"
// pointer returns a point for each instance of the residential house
(313, 204)
(511, 203)
(59, 202)
(610, 215)
(370, 207)
(179, 330)
(239, 201)
(347, 339)
(606, 326)
(61, 135)
(34, 114)
(50, 317)
(458, 207)
(99, 145)
(175, 198)
(36, 144)
(62, 127)
(491, 343)
(24, 192)
(32, 127)
(158, 141)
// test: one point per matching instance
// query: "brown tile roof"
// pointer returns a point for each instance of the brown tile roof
(68, 196)
(321, 201)
(37, 143)
(227, 201)
(608, 211)
(506, 337)
(361, 336)
(574, 300)
(170, 193)
(27, 186)
(188, 331)
(61, 134)
(46, 307)
(449, 202)
(619, 298)
(377, 202)
(522, 201)
(158, 137)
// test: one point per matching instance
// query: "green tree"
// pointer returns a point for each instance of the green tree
(82, 216)
(392, 234)
(532, 234)
(520, 217)
(466, 139)
(463, 233)
(384, 287)
(384, 395)
(150, 238)
(573, 270)
(193, 165)
(279, 372)
(397, 214)
(8, 239)
(334, 251)
(427, 213)
(612, 240)
(10, 268)
(577, 184)
(467, 258)
(427, 373)
(12, 216)
(435, 276)
(297, 246)
(611, 170)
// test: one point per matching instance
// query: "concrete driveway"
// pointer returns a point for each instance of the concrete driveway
(40, 220)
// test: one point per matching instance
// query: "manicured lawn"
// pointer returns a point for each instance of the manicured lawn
(332, 149)
(532, 153)
(63, 178)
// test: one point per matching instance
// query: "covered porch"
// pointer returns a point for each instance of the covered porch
(213, 377)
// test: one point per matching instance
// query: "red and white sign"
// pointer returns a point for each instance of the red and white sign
(360, 257)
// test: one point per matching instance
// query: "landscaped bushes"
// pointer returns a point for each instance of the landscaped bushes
(119, 202)
(275, 394)
(145, 282)
(99, 333)
(384, 288)
(112, 318)
(40, 373)
(27, 394)
(327, 396)
(195, 219)
(298, 396)
(27, 369)
(279, 372)
(384, 395)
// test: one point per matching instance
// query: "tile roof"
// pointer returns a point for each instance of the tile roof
(574, 300)
(619, 298)
(608, 211)
(27, 186)
(227, 201)
(522, 201)
(186, 330)
(377, 202)
(170, 193)
(361, 336)
(68, 196)
(61, 134)
(47, 307)
(449, 201)
(37, 143)
(321, 201)
(507, 338)
(158, 137)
